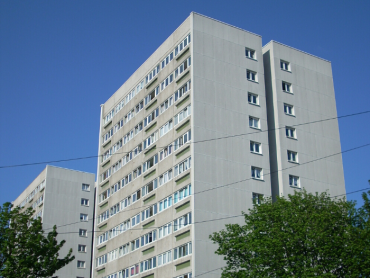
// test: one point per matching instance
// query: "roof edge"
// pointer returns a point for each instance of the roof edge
(226, 24)
(272, 41)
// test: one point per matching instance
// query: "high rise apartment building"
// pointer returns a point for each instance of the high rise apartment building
(65, 198)
(184, 147)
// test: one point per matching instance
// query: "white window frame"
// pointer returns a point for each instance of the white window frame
(294, 180)
(252, 74)
(250, 99)
(84, 202)
(289, 109)
(250, 53)
(81, 264)
(82, 248)
(291, 130)
(292, 156)
(252, 147)
(85, 187)
(254, 120)
(284, 65)
(255, 171)
(84, 217)
(82, 232)
(287, 87)
(257, 198)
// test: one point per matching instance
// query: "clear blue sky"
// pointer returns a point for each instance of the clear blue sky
(59, 60)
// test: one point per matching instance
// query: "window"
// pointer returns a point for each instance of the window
(108, 135)
(148, 238)
(183, 67)
(182, 222)
(165, 177)
(139, 106)
(182, 193)
(284, 65)
(257, 198)
(81, 264)
(183, 90)
(254, 122)
(165, 128)
(150, 163)
(149, 187)
(103, 238)
(115, 188)
(257, 173)
(165, 230)
(292, 156)
(104, 216)
(255, 147)
(182, 251)
(290, 132)
(84, 202)
(294, 181)
(114, 209)
(125, 202)
(151, 116)
(82, 232)
(182, 115)
(251, 75)
(135, 220)
(106, 174)
(164, 258)
(182, 45)
(101, 260)
(253, 99)
(82, 248)
(288, 109)
(151, 95)
(85, 187)
(182, 166)
(166, 104)
(136, 196)
(182, 140)
(250, 53)
(151, 139)
(83, 217)
(165, 203)
(167, 81)
(152, 74)
(149, 212)
(287, 87)
(148, 264)
(166, 60)
(123, 250)
(134, 269)
(165, 152)
(187, 275)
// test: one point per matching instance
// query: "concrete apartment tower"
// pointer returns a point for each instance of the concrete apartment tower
(65, 198)
(184, 149)
(299, 89)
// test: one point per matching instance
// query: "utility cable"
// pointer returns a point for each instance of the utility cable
(192, 142)
(199, 192)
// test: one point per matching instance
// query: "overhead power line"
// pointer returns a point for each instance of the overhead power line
(199, 222)
(192, 142)
(214, 188)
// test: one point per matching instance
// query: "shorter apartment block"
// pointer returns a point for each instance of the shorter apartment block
(65, 198)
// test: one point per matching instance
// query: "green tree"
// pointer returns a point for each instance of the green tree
(302, 235)
(24, 249)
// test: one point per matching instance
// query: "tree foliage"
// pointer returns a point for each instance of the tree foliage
(24, 249)
(302, 235)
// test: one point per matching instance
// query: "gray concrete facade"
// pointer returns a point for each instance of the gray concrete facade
(312, 99)
(227, 107)
(56, 196)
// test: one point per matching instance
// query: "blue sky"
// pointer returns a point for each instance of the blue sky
(59, 60)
